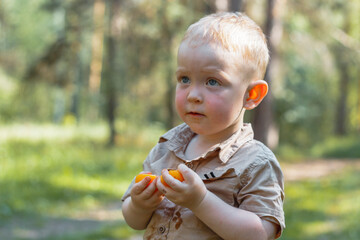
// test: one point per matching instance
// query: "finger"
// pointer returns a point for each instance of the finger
(157, 195)
(187, 173)
(168, 179)
(156, 198)
(150, 190)
(140, 186)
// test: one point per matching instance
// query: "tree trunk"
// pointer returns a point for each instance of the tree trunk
(343, 62)
(167, 38)
(358, 103)
(73, 31)
(264, 127)
(237, 5)
(110, 86)
(341, 110)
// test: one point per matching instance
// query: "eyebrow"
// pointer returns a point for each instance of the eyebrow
(180, 69)
(208, 69)
(215, 69)
(205, 69)
(211, 69)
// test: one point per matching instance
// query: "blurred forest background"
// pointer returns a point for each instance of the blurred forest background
(87, 87)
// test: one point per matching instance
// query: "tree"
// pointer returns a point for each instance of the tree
(237, 5)
(264, 127)
(343, 62)
(166, 42)
(60, 65)
(110, 72)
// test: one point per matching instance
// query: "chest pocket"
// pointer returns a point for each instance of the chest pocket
(224, 183)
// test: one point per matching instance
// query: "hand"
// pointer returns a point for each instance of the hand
(145, 196)
(188, 193)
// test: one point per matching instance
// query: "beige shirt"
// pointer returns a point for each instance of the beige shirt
(241, 171)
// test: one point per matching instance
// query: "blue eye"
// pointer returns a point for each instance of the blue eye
(213, 82)
(184, 80)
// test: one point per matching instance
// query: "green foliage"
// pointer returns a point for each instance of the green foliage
(301, 107)
(318, 38)
(307, 91)
(8, 89)
(49, 173)
(338, 147)
(48, 170)
(331, 147)
(27, 30)
(323, 208)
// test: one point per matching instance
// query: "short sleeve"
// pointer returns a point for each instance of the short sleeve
(263, 192)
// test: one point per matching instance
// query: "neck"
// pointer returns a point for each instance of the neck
(201, 143)
(211, 140)
(207, 141)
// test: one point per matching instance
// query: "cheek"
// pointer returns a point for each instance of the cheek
(217, 105)
(223, 109)
(180, 98)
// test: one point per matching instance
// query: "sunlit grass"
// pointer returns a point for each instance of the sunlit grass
(326, 208)
(34, 132)
(332, 147)
(340, 147)
(52, 167)
(56, 172)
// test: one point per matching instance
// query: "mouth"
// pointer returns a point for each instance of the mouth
(195, 114)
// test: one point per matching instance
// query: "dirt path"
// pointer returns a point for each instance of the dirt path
(28, 228)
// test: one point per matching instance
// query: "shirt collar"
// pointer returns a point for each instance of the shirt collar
(179, 137)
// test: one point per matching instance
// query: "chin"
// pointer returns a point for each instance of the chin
(198, 130)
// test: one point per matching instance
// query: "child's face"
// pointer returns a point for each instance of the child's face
(210, 90)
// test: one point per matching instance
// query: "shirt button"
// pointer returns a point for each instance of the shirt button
(162, 229)
(189, 165)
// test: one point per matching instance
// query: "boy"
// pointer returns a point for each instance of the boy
(233, 184)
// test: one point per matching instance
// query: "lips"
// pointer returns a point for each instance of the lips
(195, 114)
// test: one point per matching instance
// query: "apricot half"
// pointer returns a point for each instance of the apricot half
(175, 174)
(141, 176)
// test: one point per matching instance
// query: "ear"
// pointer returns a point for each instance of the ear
(255, 93)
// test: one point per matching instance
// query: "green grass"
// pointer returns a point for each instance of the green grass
(326, 208)
(332, 147)
(338, 147)
(49, 174)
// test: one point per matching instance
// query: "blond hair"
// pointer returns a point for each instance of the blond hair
(236, 33)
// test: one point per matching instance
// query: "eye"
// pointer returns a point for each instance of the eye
(184, 80)
(213, 82)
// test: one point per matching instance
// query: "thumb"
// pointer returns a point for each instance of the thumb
(188, 173)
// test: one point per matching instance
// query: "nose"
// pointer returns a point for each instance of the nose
(195, 95)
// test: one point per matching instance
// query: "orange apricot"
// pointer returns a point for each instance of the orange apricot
(175, 174)
(141, 176)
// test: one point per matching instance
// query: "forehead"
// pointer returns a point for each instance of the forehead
(205, 52)
(210, 56)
